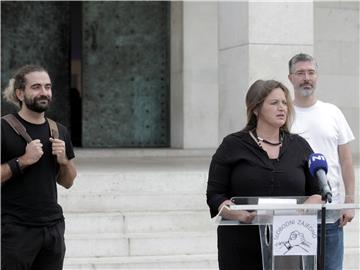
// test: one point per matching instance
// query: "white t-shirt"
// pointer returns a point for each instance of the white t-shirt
(324, 126)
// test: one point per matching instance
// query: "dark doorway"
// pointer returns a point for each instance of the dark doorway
(75, 66)
(109, 62)
(125, 74)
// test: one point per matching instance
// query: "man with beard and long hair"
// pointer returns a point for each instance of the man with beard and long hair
(325, 128)
(32, 221)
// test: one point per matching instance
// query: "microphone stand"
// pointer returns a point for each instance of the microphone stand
(321, 263)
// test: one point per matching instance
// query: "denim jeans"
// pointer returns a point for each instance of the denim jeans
(334, 250)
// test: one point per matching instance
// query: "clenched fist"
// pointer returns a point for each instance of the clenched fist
(33, 153)
(58, 150)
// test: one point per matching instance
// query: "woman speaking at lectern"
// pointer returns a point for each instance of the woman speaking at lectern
(261, 160)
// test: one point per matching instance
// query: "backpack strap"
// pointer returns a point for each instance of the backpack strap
(21, 130)
(54, 131)
(17, 126)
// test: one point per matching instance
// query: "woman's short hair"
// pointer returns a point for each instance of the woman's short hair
(255, 97)
(18, 81)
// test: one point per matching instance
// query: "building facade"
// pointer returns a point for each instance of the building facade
(175, 74)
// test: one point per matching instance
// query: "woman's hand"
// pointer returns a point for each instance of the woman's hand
(314, 199)
(241, 215)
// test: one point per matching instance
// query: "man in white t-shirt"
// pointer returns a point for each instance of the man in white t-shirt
(324, 126)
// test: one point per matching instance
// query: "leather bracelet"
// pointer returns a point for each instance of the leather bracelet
(15, 167)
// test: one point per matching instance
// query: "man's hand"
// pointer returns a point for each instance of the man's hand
(347, 216)
(33, 152)
(58, 150)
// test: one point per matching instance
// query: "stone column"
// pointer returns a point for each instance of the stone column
(194, 74)
(256, 41)
(337, 52)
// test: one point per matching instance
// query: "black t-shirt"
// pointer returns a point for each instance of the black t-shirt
(31, 198)
(240, 168)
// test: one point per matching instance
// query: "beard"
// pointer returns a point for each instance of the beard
(36, 104)
(305, 92)
(306, 89)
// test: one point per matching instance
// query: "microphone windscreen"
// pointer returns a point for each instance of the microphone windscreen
(317, 162)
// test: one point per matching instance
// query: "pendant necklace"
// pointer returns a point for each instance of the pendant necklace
(259, 140)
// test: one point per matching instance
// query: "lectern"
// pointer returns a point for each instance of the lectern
(288, 228)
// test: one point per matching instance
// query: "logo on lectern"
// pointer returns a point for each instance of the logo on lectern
(294, 235)
(296, 240)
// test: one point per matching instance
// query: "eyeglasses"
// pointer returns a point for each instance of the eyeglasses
(303, 73)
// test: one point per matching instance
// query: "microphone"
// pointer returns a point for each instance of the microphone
(318, 168)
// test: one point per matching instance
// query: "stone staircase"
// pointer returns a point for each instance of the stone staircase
(139, 209)
(146, 209)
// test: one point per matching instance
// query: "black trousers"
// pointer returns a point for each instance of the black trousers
(32, 248)
(239, 248)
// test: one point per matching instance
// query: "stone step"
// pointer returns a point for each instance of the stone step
(112, 202)
(94, 222)
(139, 244)
(197, 261)
(140, 182)
(140, 211)
(138, 222)
(128, 153)
(173, 221)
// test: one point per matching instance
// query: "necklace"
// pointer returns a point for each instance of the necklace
(259, 139)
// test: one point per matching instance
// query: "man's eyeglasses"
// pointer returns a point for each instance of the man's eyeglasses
(303, 73)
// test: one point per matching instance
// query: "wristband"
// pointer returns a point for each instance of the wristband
(15, 167)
